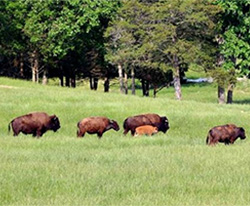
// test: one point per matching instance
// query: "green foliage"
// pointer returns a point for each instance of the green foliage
(223, 77)
(55, 26)
(11, 22)
(150, 34)
(235, 47)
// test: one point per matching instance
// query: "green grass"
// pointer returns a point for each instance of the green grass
(175, 168)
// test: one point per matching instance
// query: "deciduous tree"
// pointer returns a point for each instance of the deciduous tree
(163, 35)
(235, 40)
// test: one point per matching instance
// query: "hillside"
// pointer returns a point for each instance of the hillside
(175, 168)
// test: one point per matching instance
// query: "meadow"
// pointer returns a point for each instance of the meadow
(176, 168)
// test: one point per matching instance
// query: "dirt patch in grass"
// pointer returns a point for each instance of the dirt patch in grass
(7, 87)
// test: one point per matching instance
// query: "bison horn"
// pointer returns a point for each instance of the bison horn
(54, 117)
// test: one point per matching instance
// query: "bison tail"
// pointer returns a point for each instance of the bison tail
(208, 140)
(125, 124)
(9, 126)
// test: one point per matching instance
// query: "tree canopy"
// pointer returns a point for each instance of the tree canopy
(155, 41)
(165, 35)
(235, 45)
(54, 30)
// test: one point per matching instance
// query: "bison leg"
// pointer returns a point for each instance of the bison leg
(16, 133)
(213, 142)
(232, 141)
(80, 134)
(39, 132)
(99, 134)
(227, 142)
(210, 140)
(126, 131)
(132, 132)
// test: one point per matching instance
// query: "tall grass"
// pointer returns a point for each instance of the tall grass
(175, 168)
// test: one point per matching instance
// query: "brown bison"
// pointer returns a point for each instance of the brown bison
(96, 125)
(226, 133)
(146, 130)
(145, 119)
(36, 123)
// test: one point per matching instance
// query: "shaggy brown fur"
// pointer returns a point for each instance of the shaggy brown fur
(36, 123)
(225, 133)
(131, 123)
(96, 125)
(146, 130)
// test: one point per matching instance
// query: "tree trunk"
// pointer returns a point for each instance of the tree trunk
(221, 95)
(125, 83)
(230, 94)
(37, 71)
(106, 84)
(133, 80)
(21, 66)
(91, 85)
(33, 72)
(67, 81)
(95, 83)
(177, 78)
(61, 81)
(45, 78)
(155, 91)
(143, 87)
(73, 81)
(147, 88)
(34, 66)
(177, 86)
(121, 78)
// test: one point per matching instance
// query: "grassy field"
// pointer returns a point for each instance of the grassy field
(175, 168)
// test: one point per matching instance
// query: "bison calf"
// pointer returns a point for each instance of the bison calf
(36, 123)
(225, 133)
(96, 125)
(131, 123)
(146, 130)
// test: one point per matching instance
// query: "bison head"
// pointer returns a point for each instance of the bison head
(114, 125)
(164, 126)
(155, 130)
(242, 133)
(54, 123)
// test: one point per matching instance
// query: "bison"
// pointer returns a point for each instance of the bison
(36, 123)
(146, 129)
(96, 125)
(226, 133)
(154, 120)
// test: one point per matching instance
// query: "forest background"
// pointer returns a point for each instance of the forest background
(147, 42)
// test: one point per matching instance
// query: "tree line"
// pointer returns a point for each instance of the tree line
(154, 41)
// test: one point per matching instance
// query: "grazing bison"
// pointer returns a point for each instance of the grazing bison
(145, 119)
(146, 130)
(96, 125)
(225, 133)
(36, 123)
